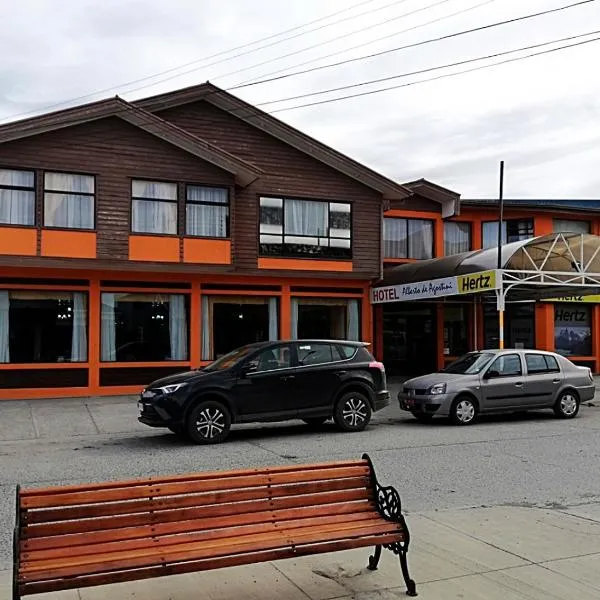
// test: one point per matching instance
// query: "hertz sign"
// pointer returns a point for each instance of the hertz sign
(477, 282)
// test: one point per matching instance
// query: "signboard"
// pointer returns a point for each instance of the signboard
(473, 283)
(593, 299)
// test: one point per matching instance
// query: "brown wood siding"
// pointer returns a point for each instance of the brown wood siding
(288, 172)
(115, 152)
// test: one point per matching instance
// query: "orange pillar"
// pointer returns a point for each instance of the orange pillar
(195, 325)
(596, 337)
(367, 317)
(94, 336)
(476, 241)
(285, 314)
(544, 326)
(438, 247)
(542, 224)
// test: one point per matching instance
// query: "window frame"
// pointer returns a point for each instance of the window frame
(501, 376)
(545, 358)
(506, 222)
(289, 254)
(23, 189)
(176, 201)
(93, 196)
(293, 359)
(407, 220)
(227, 205)
(588, 223)
(469, 224)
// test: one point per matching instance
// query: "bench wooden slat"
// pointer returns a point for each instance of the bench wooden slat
(238, 481)
(207, 512)
(200, 476)
(51, 584)
(193, 551)
(46, 515)
(158, 529)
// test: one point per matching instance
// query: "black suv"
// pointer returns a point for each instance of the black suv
(312, 380)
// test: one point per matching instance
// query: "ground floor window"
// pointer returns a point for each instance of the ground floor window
(229, 322)
(519, 326)
(335, 319)
(456, 340)
(573, 329)
(40, 326)
(144, 327)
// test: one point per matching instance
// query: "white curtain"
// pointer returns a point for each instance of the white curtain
(395, 236)
(79, 336)
(294, 318)
(205, 328)
(352, 327)
(17, 207)
(108, 328)
(420, 239)
(178, 327)
(4, 327)
(457, 237)
(148, 213)
(306, 217)
(207, 220)
(273, 318)
(64, 204)
(490, 234)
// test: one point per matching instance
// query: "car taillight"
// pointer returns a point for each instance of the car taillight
(377, 365)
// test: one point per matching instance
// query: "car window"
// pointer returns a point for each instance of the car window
(507, 365)
(469, 364)
(348, 351)
(316, 354)
(271, 359)
(552, 364)
(536, 363)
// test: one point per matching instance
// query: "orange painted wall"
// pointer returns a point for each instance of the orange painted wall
(18, 241)
(214, 252)
(68, 244)
(294, 264)
(153, 248)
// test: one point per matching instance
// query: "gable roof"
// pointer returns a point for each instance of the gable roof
(449, 200)
(214, 95)
(244, 172)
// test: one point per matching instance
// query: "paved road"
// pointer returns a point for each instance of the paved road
(532, 460)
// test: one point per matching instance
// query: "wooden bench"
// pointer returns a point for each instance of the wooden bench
(84, 535)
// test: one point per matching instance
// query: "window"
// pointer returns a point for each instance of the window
(407, 238)
(69, 200)
(305, 228)
(508, 365)
(512, 231)
(153, 207)
(541, 363)
(519, 326)
(455, 330)
(571, 226)
(43, 327)
(325, 319)
(272, 359)
(207, 212)
(144, 327)
(17, 197)
(573, 329)
(316, 354)
(457, 237)
(348, 352)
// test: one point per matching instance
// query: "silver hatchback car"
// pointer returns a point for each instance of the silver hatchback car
(493, 381)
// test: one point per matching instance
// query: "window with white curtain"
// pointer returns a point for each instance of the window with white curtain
(69, 200)
(292, 227)
(153, 207)
(407, 238)
(513, 230)
(457, 237)
(17, 197)
(207, 211)
(571, 226)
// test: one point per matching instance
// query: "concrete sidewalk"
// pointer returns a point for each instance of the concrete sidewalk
(498, 553)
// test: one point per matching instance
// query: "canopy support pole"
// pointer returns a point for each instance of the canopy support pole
(501, 306)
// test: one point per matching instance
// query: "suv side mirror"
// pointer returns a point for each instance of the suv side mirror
(491, 374)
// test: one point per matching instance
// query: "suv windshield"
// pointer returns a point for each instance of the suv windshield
(230, 359)
(470, 364)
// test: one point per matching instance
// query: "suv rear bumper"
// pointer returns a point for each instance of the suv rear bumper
(382, 399)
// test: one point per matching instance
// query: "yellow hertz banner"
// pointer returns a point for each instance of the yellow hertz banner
(593, 299)
(476, 282)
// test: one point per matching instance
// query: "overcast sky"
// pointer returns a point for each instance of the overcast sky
(541, 115)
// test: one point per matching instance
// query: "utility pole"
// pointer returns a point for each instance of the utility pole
(500, 300)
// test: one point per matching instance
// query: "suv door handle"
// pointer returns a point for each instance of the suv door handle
(556, 381)
(341, 373)
(519, 384)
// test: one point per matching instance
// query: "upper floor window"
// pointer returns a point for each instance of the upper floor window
(513, 230)
(305, 228)
(571, 226)
(153, 207)
(17, 197)
(69, 200)
(407, 238)
(207, 211)
(457, 237)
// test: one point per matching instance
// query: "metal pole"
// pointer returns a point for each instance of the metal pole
(500, 305)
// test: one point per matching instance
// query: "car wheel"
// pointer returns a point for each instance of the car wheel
(352, 412)
(208, 423)
(463, 411)
(316, 422)
(567, 405)
(423, 417)
(179, 430)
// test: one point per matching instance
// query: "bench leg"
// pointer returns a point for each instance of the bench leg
(374, 560)
(411, 587)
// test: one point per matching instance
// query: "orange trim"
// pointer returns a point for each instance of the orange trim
(195, 326)
(140, 365)
(212, 292)
(43, 393)
(18, 241)
(63, 365)
(412, 214)
(120, 390)
(438, 238)
(543, 224)
(302, 264)
(544, 327)
(68, 244)
(401, 261)
(153, 248)
(325, 295)
(52, 288)
(285, 314)
(213, 252)
(367, 318)
(94, 321)
(144, 290)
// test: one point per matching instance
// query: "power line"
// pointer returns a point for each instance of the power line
(415, 44)
(223, 52)
(428, 70)
(444, 76)
(379, 39)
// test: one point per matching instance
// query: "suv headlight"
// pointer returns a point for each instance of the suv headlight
(438, 388)
(169, 389)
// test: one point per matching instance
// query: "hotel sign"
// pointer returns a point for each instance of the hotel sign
(473, 283)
